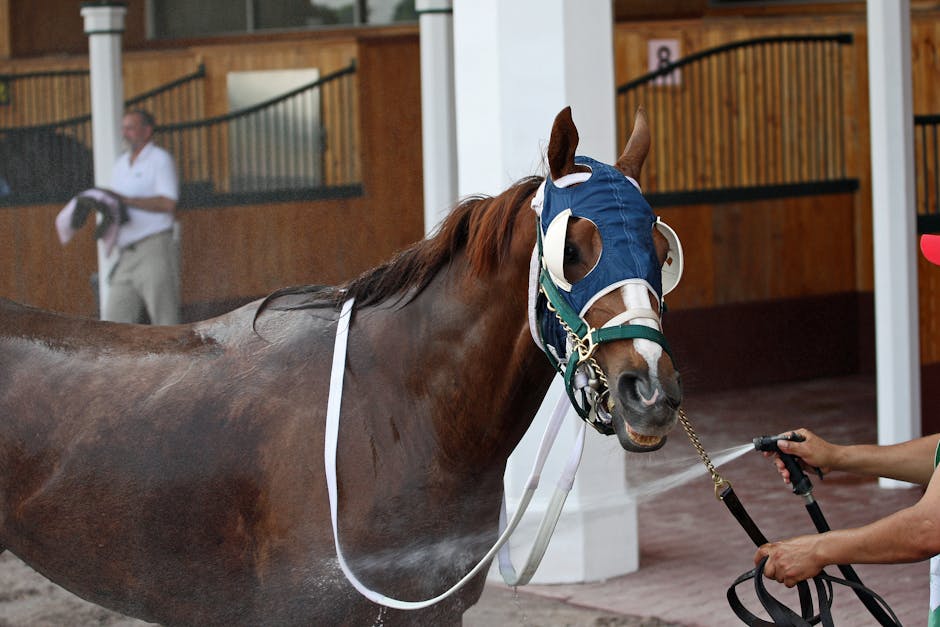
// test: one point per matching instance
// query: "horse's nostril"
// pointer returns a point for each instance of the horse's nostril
(637, 388)
(626, 387)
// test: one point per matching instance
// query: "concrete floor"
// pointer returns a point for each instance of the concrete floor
(692, 549)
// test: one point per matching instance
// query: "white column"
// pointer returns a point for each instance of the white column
(517, 65)
(438, 124)
(894, 222)
(104, 25)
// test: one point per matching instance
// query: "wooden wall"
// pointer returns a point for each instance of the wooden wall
(797, 256)
(23, 108)
(237, 253)
(782, 271)
(56, 27)
(696, 35)
(768, 293)
(631, 53)
(763, 250)
(234, 254)
(37, 270)
(5, 43)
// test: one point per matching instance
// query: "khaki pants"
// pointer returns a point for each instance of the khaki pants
(146, 277)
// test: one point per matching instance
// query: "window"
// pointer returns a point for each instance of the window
(280, 146)
(172, 19)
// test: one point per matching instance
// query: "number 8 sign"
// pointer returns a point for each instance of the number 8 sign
(662, 52)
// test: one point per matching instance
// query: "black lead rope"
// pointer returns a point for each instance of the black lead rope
(783, 616)
(730, 499)
(779, 613)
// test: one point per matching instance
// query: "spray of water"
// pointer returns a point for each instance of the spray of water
(380, 620)
(689, 468)
(439, 560)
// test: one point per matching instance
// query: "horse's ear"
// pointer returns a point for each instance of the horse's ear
(631, 161)
(562, 145)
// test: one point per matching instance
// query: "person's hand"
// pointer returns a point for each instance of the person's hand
(791, 561)
(119, 197)
(813, 452)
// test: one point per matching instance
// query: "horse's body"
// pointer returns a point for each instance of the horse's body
(176, 473)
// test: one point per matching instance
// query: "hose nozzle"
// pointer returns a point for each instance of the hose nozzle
(768, 443)
(798, 479)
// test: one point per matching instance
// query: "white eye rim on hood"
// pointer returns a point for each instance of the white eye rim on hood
(553, 249)
(675, 260)
(553, 244)
(554, 241)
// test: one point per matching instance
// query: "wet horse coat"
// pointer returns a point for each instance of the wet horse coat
(176, 473)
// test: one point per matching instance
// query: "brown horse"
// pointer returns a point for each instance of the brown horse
(176, 473)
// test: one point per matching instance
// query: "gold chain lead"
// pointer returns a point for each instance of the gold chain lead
(720, 482)
(586, 353)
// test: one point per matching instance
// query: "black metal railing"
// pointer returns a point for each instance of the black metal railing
(927, 172)
(40, 98)
(177, 101)
(51, 162)
(47, 98)
(751, 119)
(303, 144)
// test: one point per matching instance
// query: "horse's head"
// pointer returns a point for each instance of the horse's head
(605, 263)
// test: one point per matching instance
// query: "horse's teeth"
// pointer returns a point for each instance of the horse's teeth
(610, 403)
(643, 440)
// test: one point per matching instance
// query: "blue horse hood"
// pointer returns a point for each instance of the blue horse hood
(625, 221)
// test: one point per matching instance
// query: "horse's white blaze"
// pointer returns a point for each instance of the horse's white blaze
(637, 296)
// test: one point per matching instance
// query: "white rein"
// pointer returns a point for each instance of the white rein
(505, 565)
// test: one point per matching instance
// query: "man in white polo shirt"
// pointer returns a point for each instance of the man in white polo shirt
(146, 274)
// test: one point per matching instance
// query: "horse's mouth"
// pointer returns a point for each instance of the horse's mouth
(642, 443)
(631, 439)
(646, 441)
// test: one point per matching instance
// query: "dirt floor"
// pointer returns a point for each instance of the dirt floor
(30, 600)
(27, 599)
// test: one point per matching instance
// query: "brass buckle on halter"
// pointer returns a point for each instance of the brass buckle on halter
(586, 346)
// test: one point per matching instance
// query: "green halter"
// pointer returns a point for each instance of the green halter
(581, 373)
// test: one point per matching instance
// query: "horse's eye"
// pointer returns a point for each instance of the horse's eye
(572, 254)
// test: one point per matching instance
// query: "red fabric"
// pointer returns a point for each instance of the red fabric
(930, 246)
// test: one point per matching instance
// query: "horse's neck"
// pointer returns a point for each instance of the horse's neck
(464, 357)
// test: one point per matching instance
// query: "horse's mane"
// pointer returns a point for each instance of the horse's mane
(479, 225)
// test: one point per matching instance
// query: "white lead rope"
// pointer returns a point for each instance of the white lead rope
(562, 488)
(329, 455)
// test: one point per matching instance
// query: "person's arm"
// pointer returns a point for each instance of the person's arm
(164, 189)
(160, 204)
(910, 535)
(910, 461)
